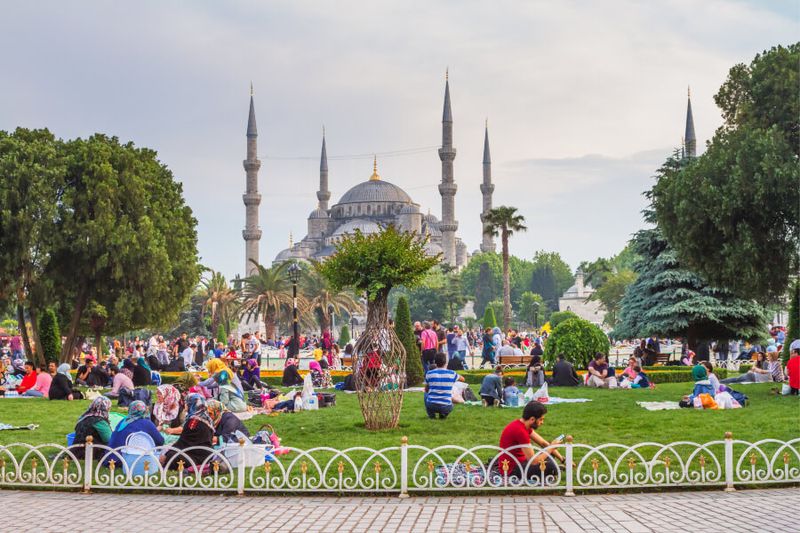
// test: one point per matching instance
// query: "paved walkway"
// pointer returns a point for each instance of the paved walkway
(749, 511)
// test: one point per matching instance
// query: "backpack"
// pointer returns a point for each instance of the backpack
(128, 396)
(469, 396)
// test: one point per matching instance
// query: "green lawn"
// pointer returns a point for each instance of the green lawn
(611, 416)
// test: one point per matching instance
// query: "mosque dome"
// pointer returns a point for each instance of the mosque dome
(375, 191)
(360, 224)
(318, 213)
(410, 209)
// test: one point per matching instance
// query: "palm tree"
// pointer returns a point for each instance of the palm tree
(264, 293)
(322, 300)
(219, 298)
(504, 221)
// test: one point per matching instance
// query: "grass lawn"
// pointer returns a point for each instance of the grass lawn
(611, 416)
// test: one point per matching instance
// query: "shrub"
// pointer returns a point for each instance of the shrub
(50, 336)
(405, 332)
(489, 320)
(560, 316)
(578, 340)
(344, 336)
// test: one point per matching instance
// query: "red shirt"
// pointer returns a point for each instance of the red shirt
(515, 433)
(793, 369)
(27, 383)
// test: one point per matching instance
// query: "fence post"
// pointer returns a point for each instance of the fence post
(568, 460)
(88, 468)
(240, 469)
(729, 462)
(404, 467)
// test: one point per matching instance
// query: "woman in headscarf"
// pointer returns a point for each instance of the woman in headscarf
(251, 375)
(61, 386)
(185, 382)
(198, 430)
(319, 376)
(94, 422)
(18, 368)
(702, 385)
(167, 410)
(136, 421)
(291, 377)
(226, 424)
(141, 372)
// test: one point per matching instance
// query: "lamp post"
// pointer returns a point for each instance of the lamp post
(294, 271)
(535, 315)
(353, 323)
(333, 320)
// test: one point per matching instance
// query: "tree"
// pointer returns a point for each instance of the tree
(219, 298)
(668, 299)
(484, 289)
(221, 335)
(732, 214)
(579, 340)
(543, 282)
(405, 332)
(124, 238)
(264, 293)
(611, 292)
(531, 308)
(344, 336)
(561, 316)
(561, 270)
(489, 319)
(451, 296)
(497, 307)
(322, 300)
(50, 335)
(793, 331)
(504, 221)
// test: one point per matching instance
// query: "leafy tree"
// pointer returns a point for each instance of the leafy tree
(451, 296)
(531, 308)
(219, 298)
(221, 335)
(561, 271)
(561, 316)
(521, 272)
(405, 332)
(732, 214)
(668, 299)
(611, 292)
(344, 336)
(504, 221)
(191, 321)
(322, 300)
(793, 331)
(578, 340)
(489, 319)
(50, 335)
(543, 282)
(265, 292)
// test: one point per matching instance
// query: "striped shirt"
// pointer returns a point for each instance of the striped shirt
(440, 386)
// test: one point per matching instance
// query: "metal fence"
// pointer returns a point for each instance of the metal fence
(403, 469)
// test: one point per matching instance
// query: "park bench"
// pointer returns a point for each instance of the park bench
(514, 359)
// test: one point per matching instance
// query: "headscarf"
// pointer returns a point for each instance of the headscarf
(64, 369)
(99, 408)
(699, 373)
(137, 410)
(313, 365)
(291, 377)
(218, 368)
(168, 403)
(186, 381)
(216, 365)
(197, 412)
(127, 364)
(251, 370)
(128, 373)
(142, 362)
(18, 365)
(215, 410)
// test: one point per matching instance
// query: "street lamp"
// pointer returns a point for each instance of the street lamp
(535, 315)
(353, 323)
(294, 271)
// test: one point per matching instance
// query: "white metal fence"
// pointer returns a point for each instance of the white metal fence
(402, 469)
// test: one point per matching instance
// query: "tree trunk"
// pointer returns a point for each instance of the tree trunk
(506, 284)
(269, 324)
(23, 332)
(38, 349)
(378, 312)
(75, 322)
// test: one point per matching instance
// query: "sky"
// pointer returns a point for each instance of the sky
(584, 100)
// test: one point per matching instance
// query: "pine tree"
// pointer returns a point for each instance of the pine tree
(344, 336)
(49, 335)
(793, 331)
(405, 332)
(543, 282)
(221, 336)
(484, 288)
(489, 320)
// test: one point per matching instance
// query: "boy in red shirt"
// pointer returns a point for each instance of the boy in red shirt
(522, 458)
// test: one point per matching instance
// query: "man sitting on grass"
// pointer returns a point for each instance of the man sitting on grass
(599, 373)
(521, 459)
(439, 388)
(492, 388)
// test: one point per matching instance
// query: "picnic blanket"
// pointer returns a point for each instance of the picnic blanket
(9, 427)
(659, 406)
(550, 401)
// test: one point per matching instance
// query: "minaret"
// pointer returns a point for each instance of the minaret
(689, 139)
(251, 233)
(447, 188)
(323, 194)
(487, 188)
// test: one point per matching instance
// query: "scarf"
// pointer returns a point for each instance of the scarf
(313, 365)
(186, 381)
(64, 369)
(99, 408)
(168, 404)
(128, 373)
(197, 412)
(136, 411)
(699, 373)
(224, 376)
(215, 411)
(142, 362)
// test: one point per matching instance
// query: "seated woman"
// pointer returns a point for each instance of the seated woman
(629, 371)
(291, 377)
(198, 430)
(136, 421)
(226, 423)
(320, 377)
(702, 385)
(251, 376)
(167, 410)
(535, 372)
(231, 396)
(141, 373)
(94, 422)
(759, 373)
(688, 359)
(61, 386)
(712, 378)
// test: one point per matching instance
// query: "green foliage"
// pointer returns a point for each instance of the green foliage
(50, 335)
(560, 316)
(532, 308)
(578, 340)
(485, 290)
(489, 318)
(543, 282)
(344, 336)
(611, 292)
(669, 300)
(503, 221)
(265, 293)
(482, 279)
(793, 329)
(561, 271)
(221, 336)
(405, 332)
(497, 308)
(732, 214)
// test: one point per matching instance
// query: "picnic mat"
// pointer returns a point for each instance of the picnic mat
(659, 406)
(8, 427)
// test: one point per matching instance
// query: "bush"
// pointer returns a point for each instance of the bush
(405, 332)
(221, 337)
(50, 336)
(560, 316)
(744, 369)
(489, 320)
(578, 340)
(344, 336)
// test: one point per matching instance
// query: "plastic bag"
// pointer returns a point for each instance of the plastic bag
(309, 399)
(528, 396)
(542, 395)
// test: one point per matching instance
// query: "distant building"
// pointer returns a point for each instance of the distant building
(576, 299)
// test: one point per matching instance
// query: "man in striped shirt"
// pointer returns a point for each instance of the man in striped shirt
(439, 388)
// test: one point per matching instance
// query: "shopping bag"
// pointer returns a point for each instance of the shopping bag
(542, 395)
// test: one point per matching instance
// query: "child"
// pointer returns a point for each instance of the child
(640, 381)
(510, 392)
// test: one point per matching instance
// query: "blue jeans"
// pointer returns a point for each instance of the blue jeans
(33, 393)
(433, 408)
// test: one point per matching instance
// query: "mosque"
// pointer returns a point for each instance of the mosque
(370, 205)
